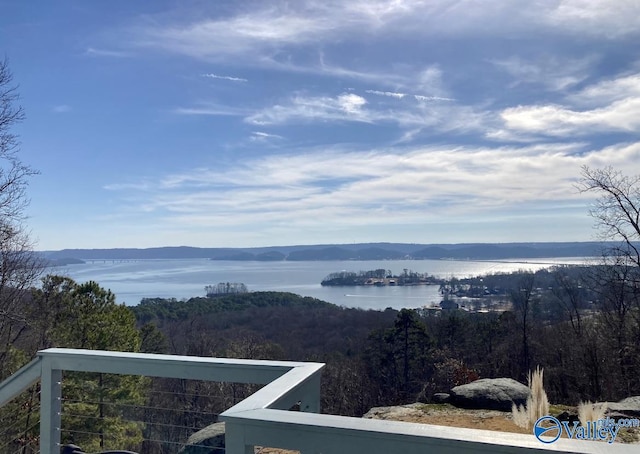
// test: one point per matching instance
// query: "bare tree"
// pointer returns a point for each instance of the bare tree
(617, 208)
(617, 215)
(19, 266)
(523, 301)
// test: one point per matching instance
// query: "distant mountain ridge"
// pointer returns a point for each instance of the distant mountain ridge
(359, 251)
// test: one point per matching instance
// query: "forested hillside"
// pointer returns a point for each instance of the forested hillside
(362, 251)
(567, 319)
(581, 324)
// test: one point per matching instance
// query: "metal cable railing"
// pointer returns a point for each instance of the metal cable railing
(258, 420)
(166, 414)
(20, 422)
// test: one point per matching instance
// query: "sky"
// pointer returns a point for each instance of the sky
(263, 123)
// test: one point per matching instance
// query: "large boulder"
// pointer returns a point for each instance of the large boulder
(490, 394)
(628, 408)
(209, 440)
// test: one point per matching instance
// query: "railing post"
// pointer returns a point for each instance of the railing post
(310, 394)
(234, 439)
(50, 408)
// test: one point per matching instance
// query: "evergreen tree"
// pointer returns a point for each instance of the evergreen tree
(97, 408)
(398, 357)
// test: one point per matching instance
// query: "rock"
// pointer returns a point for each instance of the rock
(206, 441)
(394, 413)
(440, 398)
(490, 394)
(629, 407)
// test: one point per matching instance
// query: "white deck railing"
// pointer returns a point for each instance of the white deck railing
(262, 419)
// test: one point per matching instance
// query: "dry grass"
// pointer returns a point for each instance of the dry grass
(448, 415)
(588, 411)
(444, 415)
(537, 403)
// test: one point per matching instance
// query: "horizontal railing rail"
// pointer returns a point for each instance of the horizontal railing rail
(19, 381)
(260, 420)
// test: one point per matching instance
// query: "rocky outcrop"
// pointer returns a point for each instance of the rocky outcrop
(209, 440)
(490, 394)
(627, 408)
(395, 413)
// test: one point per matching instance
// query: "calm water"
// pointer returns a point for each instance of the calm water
(136, 279)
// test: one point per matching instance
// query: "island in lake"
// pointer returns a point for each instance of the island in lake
(379, 278)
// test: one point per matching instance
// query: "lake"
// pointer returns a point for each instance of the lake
(182, 279)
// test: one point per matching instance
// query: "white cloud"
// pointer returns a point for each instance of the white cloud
(351, 103)
(272, 26)
(431, 98)
(615, 108)
(259, 136)
(386, 93)
(608, 18)
(554, 120)
(380, 187)
(255, 33)
(608, 91)
(349, 107)
(396, 95)
(611, 105)
(345, 107)
(230, 78)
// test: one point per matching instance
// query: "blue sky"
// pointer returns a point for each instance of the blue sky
(258, 123)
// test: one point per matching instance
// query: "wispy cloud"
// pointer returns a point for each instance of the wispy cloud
(608, 91)
(391, 94)
(260, 136)
(386, 93)
(94, 52)
(345, 107)
(551, 72)
(376, 113)
(379, 187)
(231, 78)
(274, 25)
(210, 109)
(350, 107)
(609, 19)
(249, 33)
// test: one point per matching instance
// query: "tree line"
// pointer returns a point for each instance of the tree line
(370, 277)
